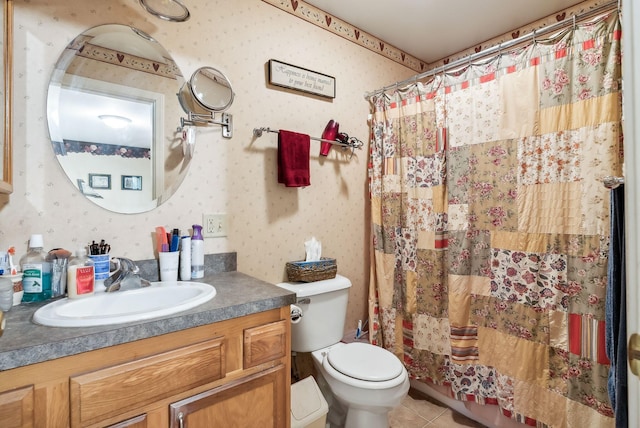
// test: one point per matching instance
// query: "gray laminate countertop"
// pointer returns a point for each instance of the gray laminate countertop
(24, 342)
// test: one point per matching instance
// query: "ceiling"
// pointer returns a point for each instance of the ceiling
(431, 30)
(79, 117)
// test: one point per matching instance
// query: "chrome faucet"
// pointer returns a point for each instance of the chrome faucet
(126, 275)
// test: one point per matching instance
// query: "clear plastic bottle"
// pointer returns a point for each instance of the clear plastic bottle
(80, 275)
(197, 253)
(185, 258)
(36, 270)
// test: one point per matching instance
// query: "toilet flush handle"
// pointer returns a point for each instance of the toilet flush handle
(296, 314)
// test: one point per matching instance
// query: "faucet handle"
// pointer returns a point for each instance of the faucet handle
(114, 265)
(126, 273)
(125, 264)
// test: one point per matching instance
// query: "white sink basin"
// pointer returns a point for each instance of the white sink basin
(158, 300)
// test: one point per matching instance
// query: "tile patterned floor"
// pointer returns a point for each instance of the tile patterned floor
(421, 411)
(418, 410)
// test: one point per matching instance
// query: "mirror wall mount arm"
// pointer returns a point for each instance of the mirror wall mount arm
(199, 119)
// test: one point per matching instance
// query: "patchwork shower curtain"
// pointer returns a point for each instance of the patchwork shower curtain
(490, 226)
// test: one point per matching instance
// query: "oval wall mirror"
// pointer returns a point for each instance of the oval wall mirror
(112, 112)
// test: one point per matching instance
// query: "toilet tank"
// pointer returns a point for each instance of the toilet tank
(324, 308)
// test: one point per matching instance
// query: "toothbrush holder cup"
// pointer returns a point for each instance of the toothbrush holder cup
(169, 261)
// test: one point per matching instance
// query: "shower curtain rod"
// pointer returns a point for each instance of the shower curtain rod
(615, 4)
(611, 182)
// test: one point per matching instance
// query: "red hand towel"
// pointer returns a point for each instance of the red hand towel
(293, 159)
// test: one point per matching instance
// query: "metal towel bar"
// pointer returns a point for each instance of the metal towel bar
(347, 143)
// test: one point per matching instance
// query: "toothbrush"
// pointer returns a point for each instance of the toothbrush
(359, 329)
(161, 239)
(12, 267)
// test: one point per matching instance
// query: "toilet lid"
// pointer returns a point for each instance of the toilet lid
(365, 362)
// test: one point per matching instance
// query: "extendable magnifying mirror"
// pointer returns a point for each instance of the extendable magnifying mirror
(206, 93)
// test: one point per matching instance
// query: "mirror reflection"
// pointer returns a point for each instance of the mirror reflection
(112, 112)
(211, 89)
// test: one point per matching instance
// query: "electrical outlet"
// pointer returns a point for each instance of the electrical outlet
(214, 225)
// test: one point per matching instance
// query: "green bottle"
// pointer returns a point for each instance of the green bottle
(36, 272)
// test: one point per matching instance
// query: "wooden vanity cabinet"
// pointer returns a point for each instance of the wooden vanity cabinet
(234, 373)
(16, 408)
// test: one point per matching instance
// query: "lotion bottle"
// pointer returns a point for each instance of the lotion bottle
(185, 258)
(80, 275)
(197, 253)
(36, 271)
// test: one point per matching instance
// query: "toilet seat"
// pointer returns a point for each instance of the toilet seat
(365, 362)
(364, 350)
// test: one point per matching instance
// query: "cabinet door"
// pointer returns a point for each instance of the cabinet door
(264, 343)
(16, 408)
(253, 401)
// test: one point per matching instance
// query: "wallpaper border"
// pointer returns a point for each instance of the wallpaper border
(343, 29)
(347, 31)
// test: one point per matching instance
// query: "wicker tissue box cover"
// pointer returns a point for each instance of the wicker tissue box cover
(325, 268)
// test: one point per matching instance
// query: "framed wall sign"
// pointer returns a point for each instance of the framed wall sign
(131, 182)
(100, 181)
(301, 79)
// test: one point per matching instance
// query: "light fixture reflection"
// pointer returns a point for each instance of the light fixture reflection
(169, 10)
(115, 121)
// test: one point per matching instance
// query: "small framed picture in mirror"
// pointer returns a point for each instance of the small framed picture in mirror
(131, 182)
(100, 181)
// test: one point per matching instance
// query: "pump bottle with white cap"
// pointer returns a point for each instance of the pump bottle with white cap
(80, 275)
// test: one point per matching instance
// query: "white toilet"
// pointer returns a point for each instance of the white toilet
(361, 382)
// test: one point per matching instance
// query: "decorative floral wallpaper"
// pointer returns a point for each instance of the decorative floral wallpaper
(268, 223)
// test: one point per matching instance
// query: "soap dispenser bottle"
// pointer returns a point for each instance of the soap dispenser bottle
(80, 275)
(36, 271)
(197, 253)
